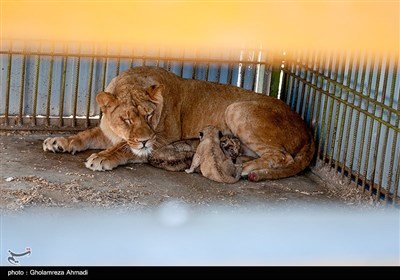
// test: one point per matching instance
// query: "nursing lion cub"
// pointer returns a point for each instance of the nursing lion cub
(213, 162)
(146, 108)
(178, 156)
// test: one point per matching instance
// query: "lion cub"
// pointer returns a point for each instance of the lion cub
(178, 155)
(214, 163)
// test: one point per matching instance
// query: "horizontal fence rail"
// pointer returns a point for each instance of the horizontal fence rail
(351, 101)
(53, 86)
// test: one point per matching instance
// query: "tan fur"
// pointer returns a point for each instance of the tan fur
(213, 162)
(148, 108)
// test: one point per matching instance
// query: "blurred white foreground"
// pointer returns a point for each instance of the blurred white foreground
(179, 234)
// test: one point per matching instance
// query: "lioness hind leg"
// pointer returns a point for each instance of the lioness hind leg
(270, 159)
(273, 164)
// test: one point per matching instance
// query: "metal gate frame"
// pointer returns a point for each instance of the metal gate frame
(351, 101)
(52, 86)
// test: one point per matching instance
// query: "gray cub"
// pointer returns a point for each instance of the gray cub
(178, 156)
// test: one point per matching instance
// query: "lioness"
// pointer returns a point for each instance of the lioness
(146, 108)
(213, 162)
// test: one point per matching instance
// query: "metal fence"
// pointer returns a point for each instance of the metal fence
(351, 101)
(53, 86)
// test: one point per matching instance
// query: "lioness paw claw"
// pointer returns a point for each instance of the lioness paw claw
(56, 145)
(97, 162)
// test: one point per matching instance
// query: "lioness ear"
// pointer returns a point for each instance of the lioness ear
(155, 93)
(106, 101)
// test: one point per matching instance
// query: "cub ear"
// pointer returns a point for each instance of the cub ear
(155, 93)
(106, 101)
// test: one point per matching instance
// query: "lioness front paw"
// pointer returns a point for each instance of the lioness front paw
(56, 145)
(97, 162)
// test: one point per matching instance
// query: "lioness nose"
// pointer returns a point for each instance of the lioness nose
(144, 142)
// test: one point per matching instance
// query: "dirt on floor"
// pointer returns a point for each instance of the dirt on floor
(31, 177)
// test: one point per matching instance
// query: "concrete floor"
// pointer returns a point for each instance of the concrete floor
(31, 177)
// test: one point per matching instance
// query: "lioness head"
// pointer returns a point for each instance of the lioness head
(133, 119)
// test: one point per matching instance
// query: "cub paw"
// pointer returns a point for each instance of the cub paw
(56, 145)
(97, 162)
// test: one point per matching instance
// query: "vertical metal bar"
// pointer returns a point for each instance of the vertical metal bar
(286, 81)
(320, 146)
(7, 101)
(396, 184)
(297, 72)
(395, 135)
(103, 82)
(143, 57)
(62, 93)
(240, 70)
(330, 116)
(299, 95)
(363, 129)
(89, 94)
(207, 68)
(36, 89)
(366, 165)
(349, 124)
(166, 64)
(182, 65)
(133, 57)
(75, 100)
(319, 78)
(343, 118)
(357, 121)
(218, 77)
(230, 70)
(50, 78)
(256, 77)
(379, 125)
(194, 72)
(158, 57)
(271, 83)
(336, 79)
(309, 76)
(21, 94)
(119, 61)
(311, 91)
(293, 72)
(288, 78)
